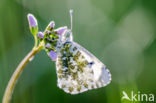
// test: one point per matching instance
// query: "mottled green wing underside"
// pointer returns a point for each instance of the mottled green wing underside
(78, 70)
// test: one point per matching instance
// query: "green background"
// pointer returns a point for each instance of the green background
(121, 33)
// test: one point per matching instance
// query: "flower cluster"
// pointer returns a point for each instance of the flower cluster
(50, 37)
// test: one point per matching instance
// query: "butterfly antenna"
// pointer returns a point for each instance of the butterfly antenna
(71, 18)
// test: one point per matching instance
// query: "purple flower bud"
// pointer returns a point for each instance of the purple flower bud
(51, 24)
(52, 55)
(32, 20)
(48, 45)
(48, 32)
(61, 30)
(32, 24)
(40, 35)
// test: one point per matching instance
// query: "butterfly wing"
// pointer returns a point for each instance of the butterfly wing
(78, 70)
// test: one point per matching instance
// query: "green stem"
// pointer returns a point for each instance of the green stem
(36, 41)
(17, 72)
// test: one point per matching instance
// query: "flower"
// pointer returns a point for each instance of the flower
(48, 45)
(32, 20)
(40, 35)
(52, 55)
(51, 24)
(33, 25)
(48, 32)
(61, 30)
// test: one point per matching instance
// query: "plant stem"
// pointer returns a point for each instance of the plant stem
(36, 41)
(17, 72)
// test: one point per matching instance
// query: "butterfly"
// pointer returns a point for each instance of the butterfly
(77, 69)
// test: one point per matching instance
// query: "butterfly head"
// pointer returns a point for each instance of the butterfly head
(66, 36)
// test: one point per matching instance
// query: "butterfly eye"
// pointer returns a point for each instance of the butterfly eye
(67, 36)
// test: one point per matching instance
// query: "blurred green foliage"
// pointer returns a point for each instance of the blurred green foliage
(121, 33)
